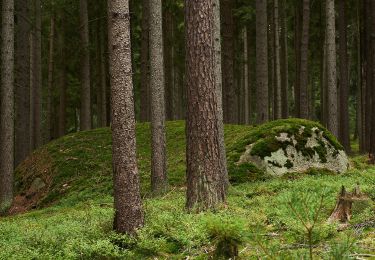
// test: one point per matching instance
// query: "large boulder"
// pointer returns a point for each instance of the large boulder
(291, 145)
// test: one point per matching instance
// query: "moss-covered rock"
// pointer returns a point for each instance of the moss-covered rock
(291, 145)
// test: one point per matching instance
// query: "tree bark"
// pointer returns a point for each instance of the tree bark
(344, 78)
(206, 185)
(277, 86)
(297, 50)
(85, 113)
(331, 68)
(49, 113)
(229, 93)
(62, 77)
(128, 205)
(284, 61)
(145, 72)
(246, 77)
(22, 86)
(159, 182)
(261, 62)
(7, 106)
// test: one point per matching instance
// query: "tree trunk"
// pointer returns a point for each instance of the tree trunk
(304, 75)
(36, 98)
(49, 113)
(206, 184)
(145, 73)
(168, 62)
(277, 86)
(128, 205)
(246, 77)
(261, 62)
(372, 91)
(331, 68)
(85, 113)
(62, 80)
(22, 86)
(284, 61)
(7, 106)
(297, 50)
(229, 93)
(159, 182)
(344, 78)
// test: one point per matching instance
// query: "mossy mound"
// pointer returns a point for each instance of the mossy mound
(291, 145)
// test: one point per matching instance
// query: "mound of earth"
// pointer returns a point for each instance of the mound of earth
(291, 145)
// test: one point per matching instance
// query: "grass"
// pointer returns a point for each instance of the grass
(74, 219)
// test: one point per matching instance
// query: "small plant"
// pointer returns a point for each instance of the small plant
(340, 251)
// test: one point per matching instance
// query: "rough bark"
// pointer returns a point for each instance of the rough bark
(22, 86)
(372, 87)
(62, 78)
(304, 75)
(246, 77)
(7, 106)
(331, 68)
(297, 50)
(145, 73)
(206, 185)
(277, 85)
(51, 60)
(128, 205)
(159, 182)
(261, 62)
(284, 61)
(229, 93)
(85, 112)
(344, 78)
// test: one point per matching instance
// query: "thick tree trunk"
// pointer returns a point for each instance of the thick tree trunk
(22, 86)
(284, 61)
(344, 78)
(159, 182)
(206, 184)
(128, 205)
(277, 72)
(85, 113)
(229, 92)
(261, 62)
(331, 68)
(145, 73)
(304, 75)
(49, 105)
(36, 98)
(7, 106)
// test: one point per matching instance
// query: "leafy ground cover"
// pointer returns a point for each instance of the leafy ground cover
(264, 217)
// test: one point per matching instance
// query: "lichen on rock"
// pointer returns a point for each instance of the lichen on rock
(291, 145)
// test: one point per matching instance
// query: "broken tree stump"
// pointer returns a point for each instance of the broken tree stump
(342, 212)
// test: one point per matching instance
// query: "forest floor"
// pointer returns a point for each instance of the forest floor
(65, 197)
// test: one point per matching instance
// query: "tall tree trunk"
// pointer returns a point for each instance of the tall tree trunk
(159, 182)
(277, 87)
(62, 77)
(7, 106)
(49, 114)
(229, 93)
(168, 62)
(246, 77)
(128, 205)
(297, 51)
(372, 87)
(284, 61)
(206, 184)
(261, 62)
(103, 75)
(344, 78)
(145, 73)
(85, 113)
(304, 75)
(22, 86)
(36, 98)
(331, 68)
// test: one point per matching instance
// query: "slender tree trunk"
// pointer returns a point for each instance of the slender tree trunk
(331, 68)
(22, 86)
(261, 62)
(284, 61)
(49, 105)
(277, 76)
(7, 106)
(344, 78)
(246, 77)
(304, 75)
(62, 77)
(159, 181)
(297, 47)
(103, 75)
(36, 99)
(128, 205)
(229, 93)
(85, 113)
(145, 73)
(372, 87)
(206, 184)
